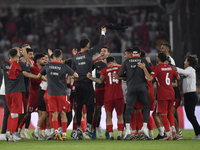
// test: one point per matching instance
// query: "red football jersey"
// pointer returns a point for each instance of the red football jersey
(163, 74)
(113, 87)
(35, 84)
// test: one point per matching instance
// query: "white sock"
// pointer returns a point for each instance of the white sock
(59, 129)
(161, 131)
(26, 130)
(163, 128)
(52, 130)
(134, 131)
(120, 133)
(173, 127)
(37, 129)
(111, 134)
(19, 130)
(48, 132)
(145, 125)
(43, 132)
(65, 134)
(168, 133)
(127, 126)
(151, 132)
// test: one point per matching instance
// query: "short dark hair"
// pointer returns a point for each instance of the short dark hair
(68, 62)
(29, 50)
(12, 52)
(44, 53)
(110, 59)
(57, 53)
(192, 59)
(129, 50)
(143, 54)
(105, 46)
(25, 45)
(83, 43)
(168, 45)
(162, 57)
(38, 56)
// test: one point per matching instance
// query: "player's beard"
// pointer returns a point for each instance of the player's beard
(42, 64)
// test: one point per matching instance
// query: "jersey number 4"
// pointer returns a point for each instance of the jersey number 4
(111, 80)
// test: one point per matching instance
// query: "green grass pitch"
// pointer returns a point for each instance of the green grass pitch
(102, 144)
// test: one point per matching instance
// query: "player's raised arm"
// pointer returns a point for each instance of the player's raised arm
(96, 57)
(98, 80)
(101, 42)
(146, 72)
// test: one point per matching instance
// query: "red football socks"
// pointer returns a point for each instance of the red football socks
(132, 123)
(64, 127)
(165, 122)
(55, 125)
(109, 128)
(139, 120)
(14, 123)
(74, 126)
(150, 123)
(170, 118)
(120, 126)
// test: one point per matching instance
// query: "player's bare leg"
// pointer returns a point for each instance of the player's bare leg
(43, 115)
(159, 125)
(22, 122)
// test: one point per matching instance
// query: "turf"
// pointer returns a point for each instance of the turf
(103, 144)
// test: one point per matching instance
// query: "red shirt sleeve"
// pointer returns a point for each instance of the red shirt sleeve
(154, 72)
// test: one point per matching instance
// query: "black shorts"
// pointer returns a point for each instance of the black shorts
(41, 103)
(85, 93)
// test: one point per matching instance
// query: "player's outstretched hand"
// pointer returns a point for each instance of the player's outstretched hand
(89, 75)
(74, 51)
(148, 59)
(141, 65)
(50, 52)
(104, 29)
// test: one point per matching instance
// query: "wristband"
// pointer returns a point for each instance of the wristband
(103, 33)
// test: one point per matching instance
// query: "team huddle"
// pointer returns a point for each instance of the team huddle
(53, 87)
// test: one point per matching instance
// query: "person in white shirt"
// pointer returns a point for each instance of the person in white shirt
(189, 90)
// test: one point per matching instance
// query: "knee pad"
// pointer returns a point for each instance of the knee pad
(14, 115)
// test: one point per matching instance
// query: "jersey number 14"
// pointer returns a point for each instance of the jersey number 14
(111, 80)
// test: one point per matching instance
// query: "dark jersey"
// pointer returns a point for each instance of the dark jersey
(17, 85)
(82, 61)
(134, 75)
(56, 77)
(99, 65)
